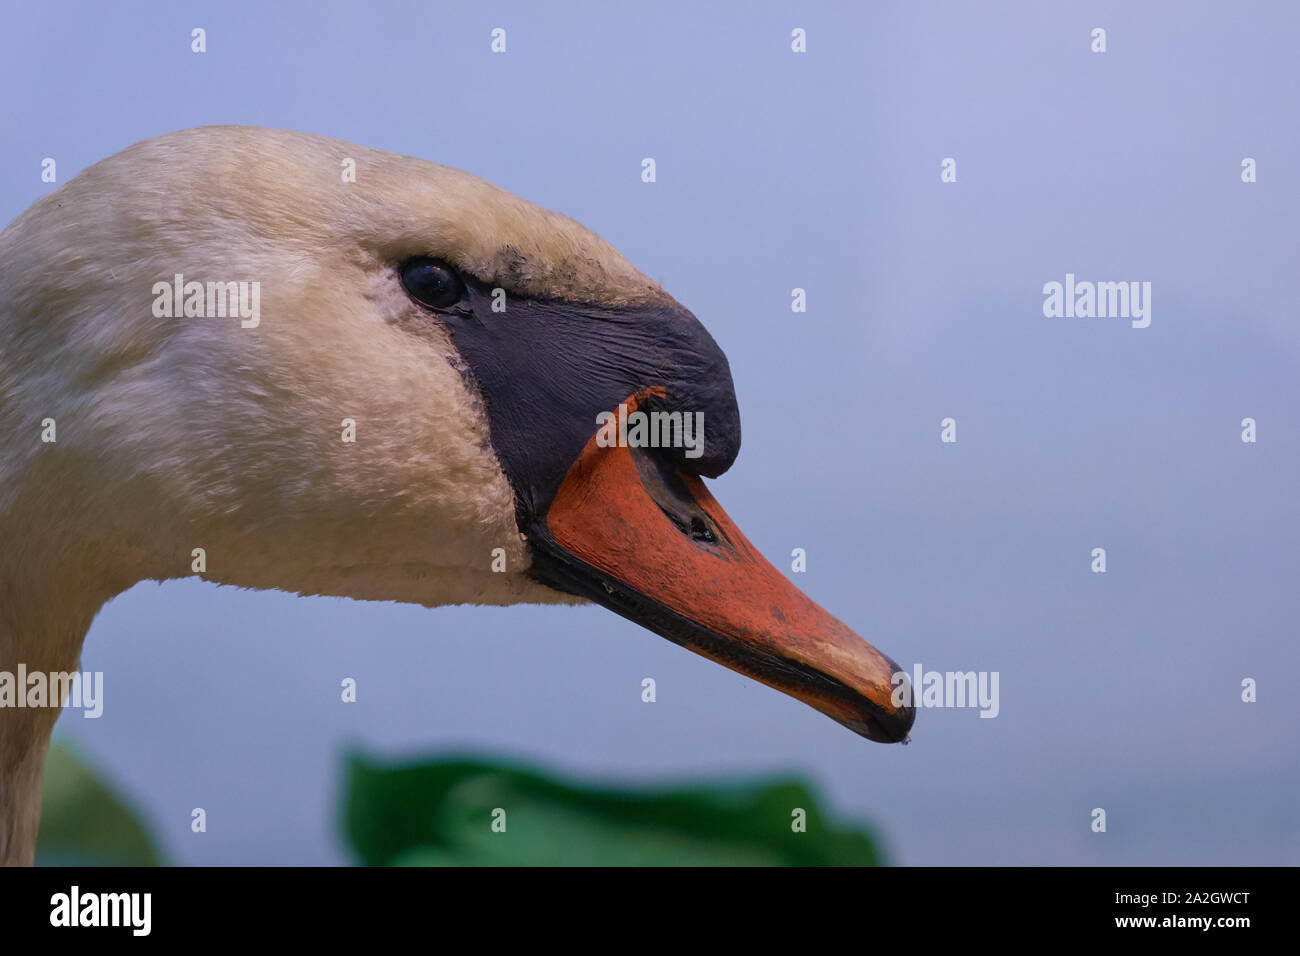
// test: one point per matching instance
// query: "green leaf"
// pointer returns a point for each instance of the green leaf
(441, 813)
(84, 821)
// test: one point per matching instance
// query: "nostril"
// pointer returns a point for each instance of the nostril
(701, 531)
(680, 523)
(694, 527)
(667, 489)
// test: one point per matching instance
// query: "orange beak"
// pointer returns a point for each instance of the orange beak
(648, 541)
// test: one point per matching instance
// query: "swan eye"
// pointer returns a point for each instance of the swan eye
(432, 283)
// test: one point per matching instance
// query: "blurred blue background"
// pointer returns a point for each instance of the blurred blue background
(821, 171)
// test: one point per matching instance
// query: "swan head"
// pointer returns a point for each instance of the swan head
(414, 401)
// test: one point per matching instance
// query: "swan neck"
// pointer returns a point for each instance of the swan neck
(44, 618)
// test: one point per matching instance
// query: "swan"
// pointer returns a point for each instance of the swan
(399, 400)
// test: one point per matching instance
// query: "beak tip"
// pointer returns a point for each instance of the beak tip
(899, 723)
(883, 726)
